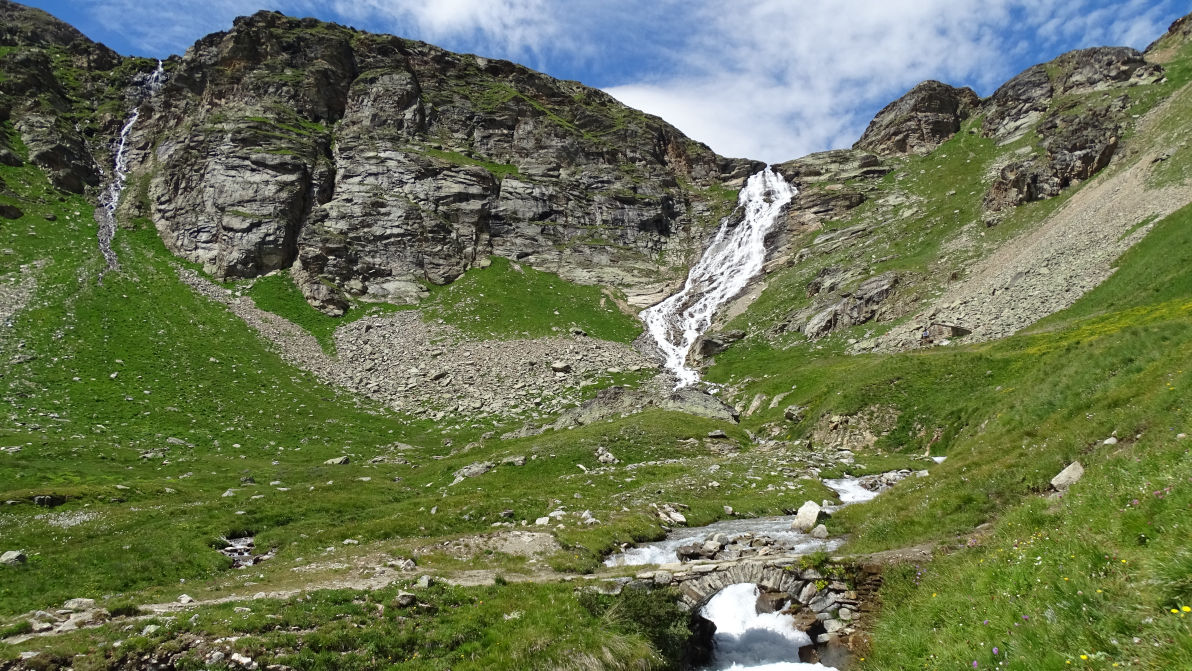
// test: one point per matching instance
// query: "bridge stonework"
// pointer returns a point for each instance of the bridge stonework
(827, 601)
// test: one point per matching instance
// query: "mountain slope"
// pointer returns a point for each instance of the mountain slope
(157, 418)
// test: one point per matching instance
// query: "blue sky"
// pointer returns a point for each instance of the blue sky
(767, 79)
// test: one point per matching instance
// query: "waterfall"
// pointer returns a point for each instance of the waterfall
(733, 258)
(746, 639)
(110, 198)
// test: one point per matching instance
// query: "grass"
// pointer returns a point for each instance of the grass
(278, 294)
(499, 170)
(510, 300)
(509, 626)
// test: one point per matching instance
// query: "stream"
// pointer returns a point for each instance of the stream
(745, 638)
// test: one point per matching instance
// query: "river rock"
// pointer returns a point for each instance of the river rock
(808, 515)
(820, 531)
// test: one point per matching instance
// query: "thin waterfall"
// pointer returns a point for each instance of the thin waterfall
(734, 257)
(109, 200)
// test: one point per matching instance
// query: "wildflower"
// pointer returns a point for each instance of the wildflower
(1186, 609)
(1084, 656)
(985, 622)
(995, 649)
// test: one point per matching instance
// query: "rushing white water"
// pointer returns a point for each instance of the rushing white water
(735, 256)
(850, 490)
(110, 198)
(775, 528)
(745, 639)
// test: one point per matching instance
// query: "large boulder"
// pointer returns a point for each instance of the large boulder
(808, 516)
(918, 122)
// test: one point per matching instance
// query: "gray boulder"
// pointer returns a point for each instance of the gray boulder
(13, 558)
(1068, 477)
(809, 515)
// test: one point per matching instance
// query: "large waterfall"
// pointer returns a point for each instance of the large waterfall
(110, 199)
(734, 257)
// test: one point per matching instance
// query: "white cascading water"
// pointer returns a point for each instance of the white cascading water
(745, 639)
(733, 258)
(110, 198)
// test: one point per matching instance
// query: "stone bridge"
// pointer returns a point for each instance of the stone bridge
(827, 602)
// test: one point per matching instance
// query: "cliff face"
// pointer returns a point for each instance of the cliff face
(374, 165)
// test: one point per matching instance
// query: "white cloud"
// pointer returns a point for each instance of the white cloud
(769, 79)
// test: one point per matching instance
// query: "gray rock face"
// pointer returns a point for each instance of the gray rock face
(375, 165)
(1020, 102)
(1076, 148)
(857, 307)
(919, 121)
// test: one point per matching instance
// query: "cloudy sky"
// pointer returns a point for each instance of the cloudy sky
(767, 79)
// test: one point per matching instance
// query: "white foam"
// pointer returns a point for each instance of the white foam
(850, 490)
(735, 256)
(745, 639)
(776, 528)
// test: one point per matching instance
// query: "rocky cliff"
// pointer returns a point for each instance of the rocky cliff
(369, 164)
(375, 165)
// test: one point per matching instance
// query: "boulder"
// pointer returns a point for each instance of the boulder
(711, 345)
(606, 457)
(13, 558)
(809, 515)
(1068, 477)
(820, 531)
(79, 604)
(10, 211)
(337, 461)
(472, 470)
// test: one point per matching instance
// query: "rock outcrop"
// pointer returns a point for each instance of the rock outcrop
(52, 83)
(919, 121)
(855, 307)
(376, 165)
(1021, 102)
